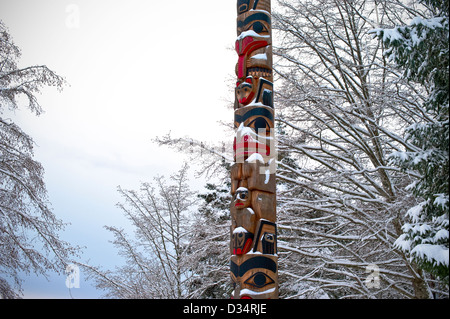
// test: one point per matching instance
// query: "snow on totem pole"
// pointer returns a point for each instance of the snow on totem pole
(253, 244)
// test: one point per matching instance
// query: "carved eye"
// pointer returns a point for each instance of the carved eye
(270, 238)
(258, 27)
(259, 280)
(244, 86)
(259, 123)
(242, 195)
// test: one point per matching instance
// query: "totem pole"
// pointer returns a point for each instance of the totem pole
(253, 244)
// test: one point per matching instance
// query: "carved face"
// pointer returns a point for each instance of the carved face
(254, 273)
(254, 48)
(242, 198)
(241, 241)
(259, 119)
(245, 91)
(246, 5)
(254, 23)
(254, 37)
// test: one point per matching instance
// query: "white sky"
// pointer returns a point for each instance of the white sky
(137, 69)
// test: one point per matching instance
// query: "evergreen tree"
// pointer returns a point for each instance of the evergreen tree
(211, 235)
(211, 238)
(421, 50)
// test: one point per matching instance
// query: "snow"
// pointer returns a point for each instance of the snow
(422, 229)
(261, 56)
(432, 23)
(422, 239)
(251, 292)
(411, 186)
(402, 156)
(415, 212)
(395, 34)
(441, 200)
(255, 157)
(259, 10)
(267, 179)
(415, 34)
(390, 34)
(423, 156)
(402, 243)
(432, 253)
(245, 130)
(437, 254)
(441, 234)
(417, 157)
(254, 253)
(250, 33)
(254, 103)
(239, 230)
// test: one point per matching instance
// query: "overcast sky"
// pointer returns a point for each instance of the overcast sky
(137, 69)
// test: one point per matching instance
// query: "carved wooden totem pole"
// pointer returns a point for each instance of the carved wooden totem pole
(253, 244)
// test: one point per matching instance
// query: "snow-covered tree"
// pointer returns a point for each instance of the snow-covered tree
(345, 108)
(421, 50)
(29, 240)
(210, 244)
(341, 109)
(158, 260)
